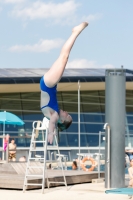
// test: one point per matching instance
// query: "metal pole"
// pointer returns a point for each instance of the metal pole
(4, 135)
(69, 155)
(51, 159)
(108, 157)
(7, 153)
(61, 164)
(45, 157)
(115, 117)
(128, 136)
(3, 153)
(99, 155)
(79, 119)
(65, 163)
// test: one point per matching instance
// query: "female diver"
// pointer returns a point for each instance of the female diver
(48, 84)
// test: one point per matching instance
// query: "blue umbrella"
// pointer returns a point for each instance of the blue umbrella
(9, 118)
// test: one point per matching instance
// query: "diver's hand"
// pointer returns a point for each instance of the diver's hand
(51, 137)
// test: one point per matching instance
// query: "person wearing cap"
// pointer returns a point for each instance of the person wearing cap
(129, 153)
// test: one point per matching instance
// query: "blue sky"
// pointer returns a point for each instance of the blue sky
(32, 33)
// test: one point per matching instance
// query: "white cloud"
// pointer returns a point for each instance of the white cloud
(65, 12)
(41, 10)
(41, 46)
(12, 1)
(83, 63)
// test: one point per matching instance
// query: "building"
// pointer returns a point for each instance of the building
(20, 94)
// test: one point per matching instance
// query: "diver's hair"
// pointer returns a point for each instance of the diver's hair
(63, 126)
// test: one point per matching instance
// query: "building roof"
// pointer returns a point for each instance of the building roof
(23, 75)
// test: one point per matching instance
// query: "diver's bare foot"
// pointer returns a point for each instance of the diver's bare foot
(78, 29)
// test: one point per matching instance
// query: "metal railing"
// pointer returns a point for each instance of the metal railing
(107, 163)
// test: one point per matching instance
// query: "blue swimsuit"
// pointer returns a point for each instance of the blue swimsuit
(52, 94)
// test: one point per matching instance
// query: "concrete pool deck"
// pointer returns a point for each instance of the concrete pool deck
(88, 191)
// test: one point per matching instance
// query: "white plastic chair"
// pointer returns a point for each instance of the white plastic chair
(40, 126)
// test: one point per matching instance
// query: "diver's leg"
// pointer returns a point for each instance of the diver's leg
(53, 76)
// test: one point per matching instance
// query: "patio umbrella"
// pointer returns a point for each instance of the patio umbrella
(9, 118)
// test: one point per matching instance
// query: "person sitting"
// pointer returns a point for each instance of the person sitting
(129, 153)
(12, 150)
(130, 171)
(50, 166)
(22, 159)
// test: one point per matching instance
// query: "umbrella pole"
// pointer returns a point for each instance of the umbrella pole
(3, 140)
(79, 120)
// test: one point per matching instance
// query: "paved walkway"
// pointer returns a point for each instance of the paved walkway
(89, 191)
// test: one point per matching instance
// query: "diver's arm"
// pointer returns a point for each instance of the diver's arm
(52, 125)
